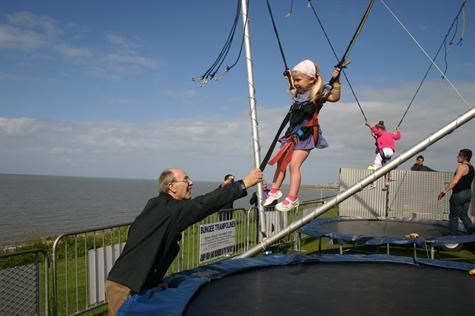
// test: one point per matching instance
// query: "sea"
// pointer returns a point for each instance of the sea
(38, 206)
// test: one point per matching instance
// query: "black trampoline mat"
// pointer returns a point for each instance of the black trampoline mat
(339, 289)
(378, 228)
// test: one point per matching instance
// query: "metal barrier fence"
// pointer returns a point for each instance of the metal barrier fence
(79, 265)
(24, 283)
(81, 260)
(410, 194)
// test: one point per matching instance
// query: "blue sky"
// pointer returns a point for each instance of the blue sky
(103, 88)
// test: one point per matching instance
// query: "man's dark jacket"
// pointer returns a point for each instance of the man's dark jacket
(417, 167)
(153, 238)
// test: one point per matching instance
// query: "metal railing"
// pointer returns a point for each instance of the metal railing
(79, 263)
(81, 260)
(22, 276)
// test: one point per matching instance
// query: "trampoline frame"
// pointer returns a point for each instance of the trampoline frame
(316, 229)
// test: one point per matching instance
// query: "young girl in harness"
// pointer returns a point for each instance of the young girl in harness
(309, 94)
(385, 145)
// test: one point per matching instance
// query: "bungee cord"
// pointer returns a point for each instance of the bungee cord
(426, 54)
(211, 72)
(291, 11)
(459, 43)
(310, 5)
(281, 49)
(443, 44)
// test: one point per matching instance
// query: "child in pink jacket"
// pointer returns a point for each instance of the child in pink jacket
(385, 143)
(385, 147)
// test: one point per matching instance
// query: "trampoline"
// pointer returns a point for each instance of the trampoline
(311, 284)
(382, 231)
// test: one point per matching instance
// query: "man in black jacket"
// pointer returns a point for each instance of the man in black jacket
(419, 165)
(153, 238)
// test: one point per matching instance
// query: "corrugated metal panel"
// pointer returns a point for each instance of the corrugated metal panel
(369, 203)
(411, 194)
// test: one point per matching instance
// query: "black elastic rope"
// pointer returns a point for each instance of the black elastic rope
(336, 57)
(228, 68)
(443, 44)
(287, 74)
(277, 35)
(229, 41)
(357, 33)
(291, 11)
(216, 65)
(446, 53)
(274, 142)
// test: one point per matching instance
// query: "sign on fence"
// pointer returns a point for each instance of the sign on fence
(217, 239)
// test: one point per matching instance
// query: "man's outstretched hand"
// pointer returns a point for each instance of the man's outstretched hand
(252, 178)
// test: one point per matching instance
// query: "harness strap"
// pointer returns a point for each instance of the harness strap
(284, 155)
(274, 142)
(384, 159)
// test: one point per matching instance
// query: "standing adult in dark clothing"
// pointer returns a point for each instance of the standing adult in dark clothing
(226, 213)
(419, 165)
(153, 238)
(461, 186)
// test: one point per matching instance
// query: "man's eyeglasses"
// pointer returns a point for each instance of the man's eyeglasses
(185, 179)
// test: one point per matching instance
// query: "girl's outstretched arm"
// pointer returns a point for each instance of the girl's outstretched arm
(397, 136)
(335, 93)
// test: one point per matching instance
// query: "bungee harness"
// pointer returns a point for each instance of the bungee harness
(299, 111)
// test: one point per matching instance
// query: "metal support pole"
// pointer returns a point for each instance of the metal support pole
(386, 208)
(253, 114)
(449, 128)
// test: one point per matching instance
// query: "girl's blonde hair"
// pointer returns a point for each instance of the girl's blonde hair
(317, 88)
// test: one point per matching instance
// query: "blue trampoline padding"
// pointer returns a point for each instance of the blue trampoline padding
(184, 285)
(324, 227)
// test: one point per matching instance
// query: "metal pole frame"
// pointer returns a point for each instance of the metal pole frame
(444, 131)
(253, 114)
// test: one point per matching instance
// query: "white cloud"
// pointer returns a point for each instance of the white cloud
(17, 38)
(120, 41)
(31, 32)
(17, 126)
(76, 53)
(130, 59)
(30, 20)
(28, 31)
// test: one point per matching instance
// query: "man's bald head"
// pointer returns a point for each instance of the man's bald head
(175, 182)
